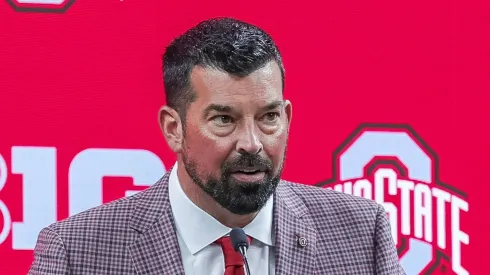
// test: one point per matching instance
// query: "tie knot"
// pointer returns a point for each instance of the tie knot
(232, 258)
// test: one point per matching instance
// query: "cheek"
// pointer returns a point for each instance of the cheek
(206, 151)
(274, 147)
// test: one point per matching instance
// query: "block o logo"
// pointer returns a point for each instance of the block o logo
(393, 166)
(55, 6)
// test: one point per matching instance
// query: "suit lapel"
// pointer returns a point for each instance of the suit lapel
(295, 237)
(155, 250)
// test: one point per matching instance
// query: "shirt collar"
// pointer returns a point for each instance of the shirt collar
(198, 229)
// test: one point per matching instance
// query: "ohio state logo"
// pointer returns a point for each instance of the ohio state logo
(393, 166)
(41, 5)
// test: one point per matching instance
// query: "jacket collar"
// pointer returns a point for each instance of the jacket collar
(296, 238)
(156, 248)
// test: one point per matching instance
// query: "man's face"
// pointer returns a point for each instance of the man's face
(236, 136)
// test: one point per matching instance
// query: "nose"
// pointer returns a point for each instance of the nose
(249, 141)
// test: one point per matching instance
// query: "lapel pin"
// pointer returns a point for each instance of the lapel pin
(302, 241)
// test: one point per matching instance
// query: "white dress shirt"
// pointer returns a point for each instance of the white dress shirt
(197, 231)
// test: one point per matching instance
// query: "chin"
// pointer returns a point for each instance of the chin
(245, 208)
(250, 199)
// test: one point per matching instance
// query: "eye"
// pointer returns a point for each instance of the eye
(271, 117)
(222, 119)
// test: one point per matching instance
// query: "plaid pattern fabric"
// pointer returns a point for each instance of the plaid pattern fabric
(317, 231)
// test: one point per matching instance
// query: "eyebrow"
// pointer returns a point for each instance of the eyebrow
(217, 108)
(272, 106)
(227, 109)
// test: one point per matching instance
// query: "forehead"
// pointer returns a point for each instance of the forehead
(264, 84)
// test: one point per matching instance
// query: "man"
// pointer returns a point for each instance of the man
(228, 123)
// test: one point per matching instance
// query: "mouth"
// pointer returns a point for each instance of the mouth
(248, 169)
(251, 174)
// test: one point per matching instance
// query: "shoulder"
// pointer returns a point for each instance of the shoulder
(110, 215)
(117, 215)
(86, 232)
(329, 205)
(113, 218)
(351, 226)
(318, 197)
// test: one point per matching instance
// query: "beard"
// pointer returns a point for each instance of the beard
(238, 197)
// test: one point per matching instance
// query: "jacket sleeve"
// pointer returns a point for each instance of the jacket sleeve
(386, 256)
(50, 256)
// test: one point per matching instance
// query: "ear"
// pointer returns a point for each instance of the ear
(288, 109)
(171, 126)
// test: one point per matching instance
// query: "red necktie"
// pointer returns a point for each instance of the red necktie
(233, 260)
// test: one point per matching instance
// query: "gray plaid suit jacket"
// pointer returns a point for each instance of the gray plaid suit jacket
(136, 235)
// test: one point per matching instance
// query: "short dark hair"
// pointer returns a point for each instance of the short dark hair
(235, 47)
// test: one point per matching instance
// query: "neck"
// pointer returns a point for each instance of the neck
(204, 201)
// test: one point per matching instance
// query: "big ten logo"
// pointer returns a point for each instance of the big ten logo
(392, 165)
(56, 6)
(38, 168)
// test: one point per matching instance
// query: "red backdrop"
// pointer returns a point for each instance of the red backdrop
(81, 84)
